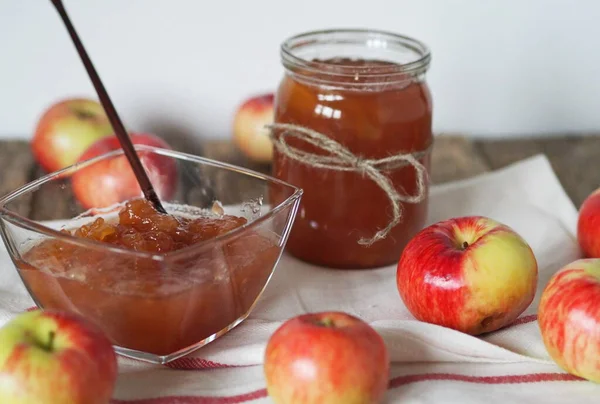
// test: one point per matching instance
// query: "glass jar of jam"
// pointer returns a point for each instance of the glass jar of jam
(366, 91)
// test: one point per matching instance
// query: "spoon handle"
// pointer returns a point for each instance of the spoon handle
(113, 116)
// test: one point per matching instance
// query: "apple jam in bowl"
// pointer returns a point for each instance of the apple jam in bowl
(159, 285)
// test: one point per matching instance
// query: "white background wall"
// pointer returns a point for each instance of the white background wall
(500, 67)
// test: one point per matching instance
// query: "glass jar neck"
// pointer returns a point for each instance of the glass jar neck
(354, 58)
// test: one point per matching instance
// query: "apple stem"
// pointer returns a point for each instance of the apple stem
(49, 347)
(84, 114)
(465, 245)
(326, 322)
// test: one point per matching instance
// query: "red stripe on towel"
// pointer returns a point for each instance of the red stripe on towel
(240, 398)
(507, 379)
(186, 363)
(524, 320)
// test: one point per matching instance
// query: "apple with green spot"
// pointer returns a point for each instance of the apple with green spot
(249, 132)
(49, 357)
(472, 274)
(326, 358)
(66, 129)
(569, 318)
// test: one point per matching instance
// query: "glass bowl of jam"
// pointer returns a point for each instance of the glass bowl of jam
(159, 285)
(365, 90)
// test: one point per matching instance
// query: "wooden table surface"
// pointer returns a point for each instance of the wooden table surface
(575, 159)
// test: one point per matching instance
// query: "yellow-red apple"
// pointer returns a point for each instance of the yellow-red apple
(112, 180)
(588, 225)
(569, 318)
(472, 274)
(50, 357)
(249, 132)
(327, 357)
(66, 129)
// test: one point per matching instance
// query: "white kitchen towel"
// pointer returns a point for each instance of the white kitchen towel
(430, 364)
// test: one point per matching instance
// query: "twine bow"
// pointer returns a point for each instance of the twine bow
(341, 159)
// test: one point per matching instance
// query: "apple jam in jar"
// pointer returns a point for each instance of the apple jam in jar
(366, 91)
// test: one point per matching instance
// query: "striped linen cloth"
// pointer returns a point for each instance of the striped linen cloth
(430, 364)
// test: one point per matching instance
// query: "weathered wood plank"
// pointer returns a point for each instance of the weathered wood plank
(227, 186)
(455, 158)
(576, 160)
(53, 200)
(16, 167)
(227, 152)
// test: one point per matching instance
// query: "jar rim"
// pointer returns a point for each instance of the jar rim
(370, 38)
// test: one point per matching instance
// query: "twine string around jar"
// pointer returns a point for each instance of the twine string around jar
(341, 158)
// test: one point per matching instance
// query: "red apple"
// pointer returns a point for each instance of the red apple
(111, 181)
(249, 132)
(328, 357)
(471, 274)
(588, 225)
(569, 318)
(66, 129)
(54, 358)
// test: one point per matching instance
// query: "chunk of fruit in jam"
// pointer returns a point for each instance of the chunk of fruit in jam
(142, 228)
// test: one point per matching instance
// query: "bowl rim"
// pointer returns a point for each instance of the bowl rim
(38, 227)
